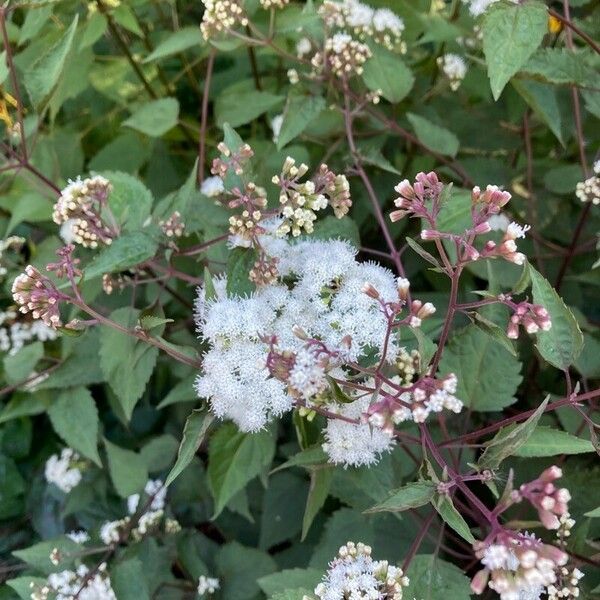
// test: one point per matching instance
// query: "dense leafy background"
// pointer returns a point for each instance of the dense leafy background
(119, 91)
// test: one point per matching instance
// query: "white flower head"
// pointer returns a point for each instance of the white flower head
(62, 470)
(212, 186)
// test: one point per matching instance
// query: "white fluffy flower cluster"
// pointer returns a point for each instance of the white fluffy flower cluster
(382, 24)
(67, 585)
(207, 585)
(14, 334)
(79, 537)
(344, 55)
(354, 574)
(354, 444)
(212, 186)
(152, 507)
(63, 470)
(221, 15)
(589, 190)
(478, 7)
(454, 68)
(325, 302)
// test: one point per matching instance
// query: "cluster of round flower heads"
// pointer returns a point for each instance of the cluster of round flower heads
(343, 55)
(589, 190)
(79, 211)
(14, 334)
(34, 293)
(454, 68)
(221, 15)
(381, 25)
(81, 583)
(64, 469)
(207, 585)
(354, 574)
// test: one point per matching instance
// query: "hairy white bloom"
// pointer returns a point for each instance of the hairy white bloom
(212, 186)
(207, 585)
(454, 68)
(589, 190)
(351, 444)
(62, 470)
(303, 47)
(110, 531)
(354, 574)
(66, 585)
(478, 7)
(79, 537)
(154, 489)
(67, 231)
(276, 123)
(499, 222)
(326, 301)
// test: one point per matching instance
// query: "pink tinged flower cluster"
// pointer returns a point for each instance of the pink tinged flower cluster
(414, 199)
(36, 294)
(532, 317)
(550, 502)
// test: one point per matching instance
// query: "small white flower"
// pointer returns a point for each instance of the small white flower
(212, 186)
(61, 471)
(207, 585)
(276, 123)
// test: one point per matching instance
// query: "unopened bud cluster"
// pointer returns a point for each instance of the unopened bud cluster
(266, 4)
(532, 317)
(589, 190)
(354, 574)
(79, 211)
(234, 161)
(301, 200)
(173, 226)
(36, 294)
(220, 16)
(343, 55)
(413, 199)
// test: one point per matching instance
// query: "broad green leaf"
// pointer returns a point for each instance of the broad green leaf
(293, 594)
(593, 514)
(160, 453)
(543, 100)
(35, 18)
(38, 555)
(411, 495)
(239, 569)
(22, 585)
(446, 509)
(74, 417)
(238, 107)
(128, 250)
(289, 579)
(155, 118)
(130, 200)
(183, 391)
(562, 344)
(194, 432)
(178, 41)
(282, 509)
(495, 332)
(315, 455)
(127, 363)
(546, 441)
(298, 113)
(386, 72)
(509, 439)
(563, 179)
(43, 76)
(488, 375)
(320, 482)
(18, 367)
(332, 228)
(436, 138)
(127, 469)
(434, 579)
(128, 580)
(511, 34)
(234, 459)
(241, 261)
(560, 66)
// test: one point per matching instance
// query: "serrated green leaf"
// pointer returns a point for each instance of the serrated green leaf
(298, 113)
(446, 509)
(194, 432)
(562, 344)
(320, 482)
(241, 261)
(546, 441)
(509, 439)
(411, 495)
(127, 470)
(386, 72)
(18, 367)
(511, 34)
(434, 579)
(42, 78)
(436, 138)
(234, 459)
(289, 579)
(74, 417)
(154, 118)
(127, 363)
(238, 107)
(178, 41)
